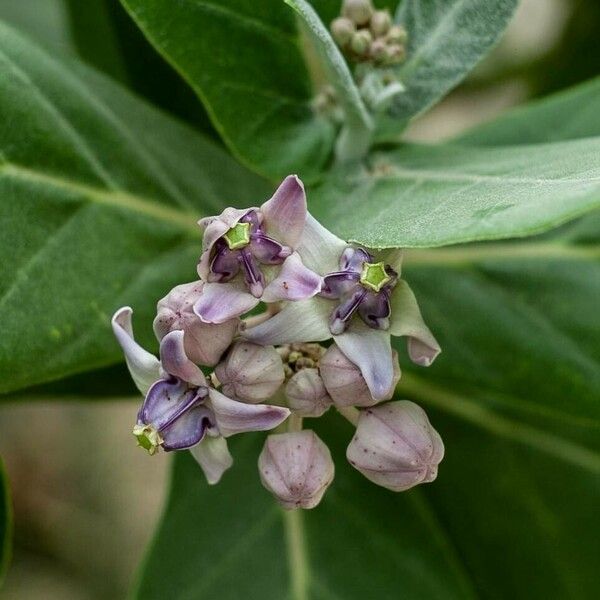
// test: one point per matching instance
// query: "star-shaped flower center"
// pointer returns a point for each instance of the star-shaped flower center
(148, 438)
(374, 276)
(238, 236)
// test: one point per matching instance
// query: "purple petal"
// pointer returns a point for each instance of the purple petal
(406, 320)
(370, 350)
(285, 213)
(175, 361)
(336, 285)
(166, 401)
(143, 366)
(341, 315)
(236, 417)
(375, 310)
(352, 259)
(302, 321)
(225, 264)
(223, 301)
(252, 274)
(267, 250)
(213, 457)
(188, 430)
(319, 249)
(294, 282)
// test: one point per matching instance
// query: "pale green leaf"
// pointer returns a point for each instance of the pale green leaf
(5, 523)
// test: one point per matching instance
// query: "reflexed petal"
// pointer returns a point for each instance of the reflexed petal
(335, 285)
(319, 249)
(175, 361)
(213, 457)
(236, 417)
(223, 301)
(303, 321)
(352, 259)
(406, 320)
(375, 310)
(285, 213)
(166, 400)
(224, 265)
(187, 430)
(370, 350)
(294, 282)
(342, 313)
(143, 366)
(267, 250)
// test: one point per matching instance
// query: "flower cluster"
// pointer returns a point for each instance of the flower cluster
(323, 340)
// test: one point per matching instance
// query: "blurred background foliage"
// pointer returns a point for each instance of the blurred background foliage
(86, 499)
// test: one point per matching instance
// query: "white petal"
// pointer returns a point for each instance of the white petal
(319, 249)
(143, 366)
(294, 282)
(303, 321)
(220, 302)
(213, 457)
(406, 320)
(175, 361)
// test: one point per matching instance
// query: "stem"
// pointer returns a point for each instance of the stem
(294, 423)
(353, 143)
(350, 413)
(296, 551)
(254, 320)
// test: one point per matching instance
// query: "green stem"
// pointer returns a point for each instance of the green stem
(350, 413)
(297, 556)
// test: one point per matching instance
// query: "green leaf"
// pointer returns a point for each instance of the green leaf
(567, 115)
(5, 523)
(446, 39)
(99, 199)
(244, 61)
(418, 196)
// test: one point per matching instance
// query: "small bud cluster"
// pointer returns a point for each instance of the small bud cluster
(323, 342)
(367, 35)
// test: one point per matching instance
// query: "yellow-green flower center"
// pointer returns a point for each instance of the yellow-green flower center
(148, 438)
(374, 276)
(238, 236)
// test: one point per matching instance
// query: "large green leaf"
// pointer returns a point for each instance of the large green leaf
(244, 60)
(417, 196)
(446, 39)
(5, 523)
(99, 195)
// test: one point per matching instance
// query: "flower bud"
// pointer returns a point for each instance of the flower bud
(381, 21)
(344, 381)
(378, 50)
(204, 343)
(306, 394)
(296, 468)
(394, 54)
(395, 446)
(250, 372)
(359, 11)
(361, 42)
(342, 30)
(396, 35)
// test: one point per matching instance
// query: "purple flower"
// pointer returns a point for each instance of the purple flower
(180, 410)
(248, 255)
(363, 302)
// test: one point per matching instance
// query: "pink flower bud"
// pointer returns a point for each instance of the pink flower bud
(395, 446)
(359, 11)
(250, 372)
(344, 381)
(296, 468)
(306, 394)
(204, 343)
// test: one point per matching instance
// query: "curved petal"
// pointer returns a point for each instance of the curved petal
(319, 249)
(336, 285)
(406, 320)
(302, 321)
(285, 213)
(188, 430)
(236, 417)
(176, 362)
(370, 350)
(166, 401)
(220, 302)
(267, 250)
(143, 366)
(375, 310)
(352, 259)
(213, 457)
(224, 264)
(294, 282)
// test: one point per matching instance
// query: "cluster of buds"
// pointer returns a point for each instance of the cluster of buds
(367, 35)
(324, 341)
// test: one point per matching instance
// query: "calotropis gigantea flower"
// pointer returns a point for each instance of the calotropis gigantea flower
(180, 410)
(362, 304)
(248, 255)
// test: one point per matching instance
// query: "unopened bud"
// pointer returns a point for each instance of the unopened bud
(395, 446)
(204, 343)
(378, 50)
(342, 30)
(250, 372)
(381, 21)
(397, 35)
(296, 468)
(394, 54)
(359, 11)
(361, 42)
(344, 381)
(306, 394)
